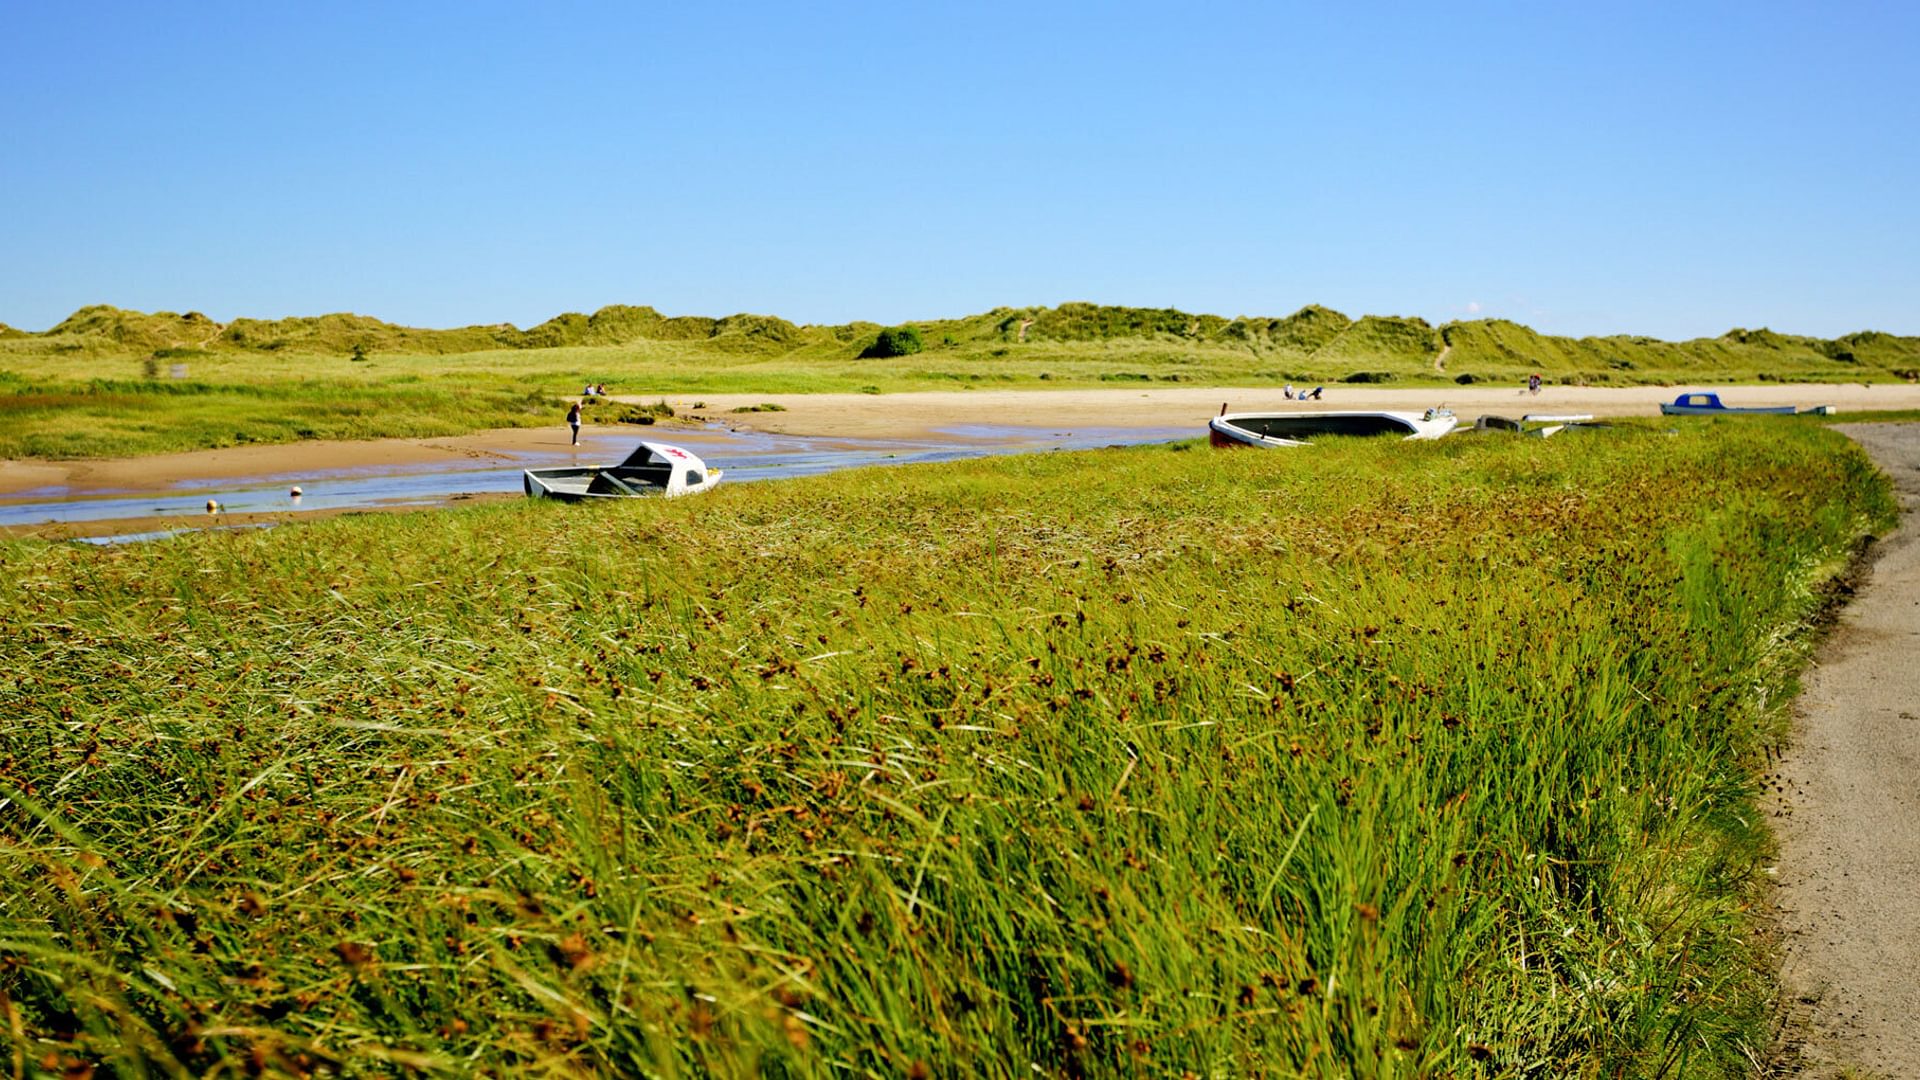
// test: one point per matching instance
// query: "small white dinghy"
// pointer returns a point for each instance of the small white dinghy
(1301, 428)
(652, 469)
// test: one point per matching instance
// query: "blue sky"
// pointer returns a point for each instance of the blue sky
(1663, 169)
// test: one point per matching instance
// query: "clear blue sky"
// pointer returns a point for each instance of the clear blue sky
(1664, 169)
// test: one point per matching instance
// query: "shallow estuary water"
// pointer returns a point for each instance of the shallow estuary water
(745, 455)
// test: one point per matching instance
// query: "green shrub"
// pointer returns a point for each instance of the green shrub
(1467, 378)
(894, 341)
(1370, 377)
(621, 412)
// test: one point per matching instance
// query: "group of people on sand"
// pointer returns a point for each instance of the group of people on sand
(1304, 395)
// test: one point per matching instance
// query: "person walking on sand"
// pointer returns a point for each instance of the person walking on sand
(573, 421)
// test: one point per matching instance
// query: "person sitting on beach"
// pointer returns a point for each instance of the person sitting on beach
(1316, 393)
(1288, 392)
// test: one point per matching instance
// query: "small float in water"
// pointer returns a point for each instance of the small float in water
(1709, 404)
(653, 469)
(1301, 428)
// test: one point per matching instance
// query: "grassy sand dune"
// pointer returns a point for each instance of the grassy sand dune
(1378, 760)
(1319, 340)
(99, 383)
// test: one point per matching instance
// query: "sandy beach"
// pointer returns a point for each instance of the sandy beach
(944, 416)
(922, 415)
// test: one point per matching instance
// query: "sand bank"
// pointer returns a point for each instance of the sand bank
(158, 472)
(925, 415)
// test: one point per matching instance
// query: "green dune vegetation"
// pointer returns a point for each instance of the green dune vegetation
(1388, 760)
(103, 382)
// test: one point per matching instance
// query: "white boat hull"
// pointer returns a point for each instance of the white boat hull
(1301, 428)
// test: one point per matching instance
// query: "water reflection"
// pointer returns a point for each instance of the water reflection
(745, 455)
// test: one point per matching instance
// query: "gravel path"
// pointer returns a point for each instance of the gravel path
(1849, 813)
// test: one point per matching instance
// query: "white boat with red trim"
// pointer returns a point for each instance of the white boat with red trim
(652, 469)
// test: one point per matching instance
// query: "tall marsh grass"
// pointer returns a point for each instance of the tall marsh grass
(1370, 759)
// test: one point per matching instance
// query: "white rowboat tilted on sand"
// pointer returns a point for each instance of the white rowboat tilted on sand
(652, 469)
(1301, 428)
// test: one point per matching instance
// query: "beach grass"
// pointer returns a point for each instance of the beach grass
(1369, 760)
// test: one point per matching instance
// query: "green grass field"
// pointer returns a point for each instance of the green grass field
(1374, 759)
(100, 383)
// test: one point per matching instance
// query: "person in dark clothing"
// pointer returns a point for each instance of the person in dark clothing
(573, 421)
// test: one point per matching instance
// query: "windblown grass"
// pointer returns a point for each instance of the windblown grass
(1374, 759)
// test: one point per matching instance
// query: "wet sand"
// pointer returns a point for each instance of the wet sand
(160, 472)
(943, 416)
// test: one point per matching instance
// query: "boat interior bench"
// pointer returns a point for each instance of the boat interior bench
(630, 480)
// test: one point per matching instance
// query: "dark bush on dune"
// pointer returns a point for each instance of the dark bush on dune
(894, 341)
